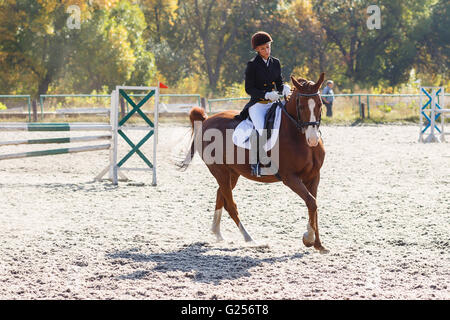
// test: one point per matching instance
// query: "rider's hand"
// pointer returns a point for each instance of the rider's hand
(286, 90)
(272, 96)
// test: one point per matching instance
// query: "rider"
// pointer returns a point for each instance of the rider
(263, 82)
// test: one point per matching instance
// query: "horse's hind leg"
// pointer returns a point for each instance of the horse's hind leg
(217, 216)
(220, 202)
(227, 181)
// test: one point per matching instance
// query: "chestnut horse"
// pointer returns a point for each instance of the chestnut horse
(300, 146)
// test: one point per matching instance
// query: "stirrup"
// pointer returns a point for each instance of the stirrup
(256, 169)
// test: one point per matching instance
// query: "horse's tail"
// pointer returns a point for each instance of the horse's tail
(196, 114)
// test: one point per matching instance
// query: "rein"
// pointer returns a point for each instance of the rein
(298, 122)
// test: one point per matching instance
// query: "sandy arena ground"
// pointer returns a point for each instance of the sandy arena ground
(384, 213)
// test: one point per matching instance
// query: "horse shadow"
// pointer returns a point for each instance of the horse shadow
(198, 262)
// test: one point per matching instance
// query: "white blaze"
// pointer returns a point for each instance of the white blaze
(312, 133)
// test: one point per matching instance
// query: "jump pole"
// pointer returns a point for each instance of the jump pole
(55, 140)
(54, 151)
(54, 127)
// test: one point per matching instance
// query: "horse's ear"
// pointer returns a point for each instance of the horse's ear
(320, 81)
(295, 82)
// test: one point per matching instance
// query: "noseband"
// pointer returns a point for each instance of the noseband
(301, 125)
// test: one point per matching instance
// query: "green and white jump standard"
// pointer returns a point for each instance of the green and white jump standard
(118, 128)
(114, 129)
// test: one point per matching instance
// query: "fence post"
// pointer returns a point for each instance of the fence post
(203, 103)
(122, 107)
(34, 108)
(368, 107)
(361, 110)
(29, 109)
(41, 101)
(359, 105)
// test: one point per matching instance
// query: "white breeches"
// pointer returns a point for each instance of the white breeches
(257, 114)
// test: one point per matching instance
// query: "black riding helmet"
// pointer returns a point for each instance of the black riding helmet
(260, 38)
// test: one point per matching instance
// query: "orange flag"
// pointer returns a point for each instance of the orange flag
(162, 86)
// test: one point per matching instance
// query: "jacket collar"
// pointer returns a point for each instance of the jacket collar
(260, 60)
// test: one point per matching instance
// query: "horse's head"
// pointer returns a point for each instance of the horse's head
(308, 107)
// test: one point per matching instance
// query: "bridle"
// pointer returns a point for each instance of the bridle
(298, 122)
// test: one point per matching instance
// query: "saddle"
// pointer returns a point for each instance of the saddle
(270, 119)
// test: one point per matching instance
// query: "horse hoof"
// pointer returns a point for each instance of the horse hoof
(322, 250)
(307, 243)
(218, 235)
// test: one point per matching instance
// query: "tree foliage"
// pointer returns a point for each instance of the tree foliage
(206, 43)
(38, 48)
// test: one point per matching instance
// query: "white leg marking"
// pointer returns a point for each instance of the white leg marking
(216, 224)
(309, 234)
(244, 233)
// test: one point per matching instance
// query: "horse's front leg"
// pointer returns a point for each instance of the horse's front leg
(311, 237)
(313, 223)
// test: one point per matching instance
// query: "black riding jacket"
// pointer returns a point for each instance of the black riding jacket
(259, 79)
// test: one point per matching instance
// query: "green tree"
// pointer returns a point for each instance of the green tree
(33, 42)
(266, 16)
(40, 48)
(114, 36)
(158, 15)
(371, 57)
(208, 30)
(433, 42)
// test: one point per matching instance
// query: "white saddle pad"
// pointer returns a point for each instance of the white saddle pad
(241, 135)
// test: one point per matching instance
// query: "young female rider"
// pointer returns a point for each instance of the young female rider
(263, 81)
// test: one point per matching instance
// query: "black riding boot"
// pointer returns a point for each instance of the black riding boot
(256, 167)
